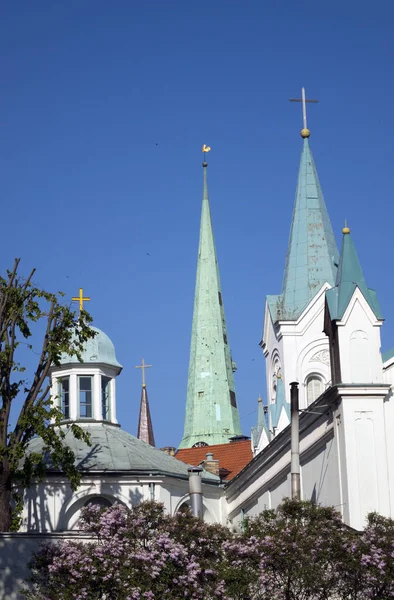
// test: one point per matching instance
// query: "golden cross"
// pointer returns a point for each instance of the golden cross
(143, 366)
(80, 299)
(303, 100)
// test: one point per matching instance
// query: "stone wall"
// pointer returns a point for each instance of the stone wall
(16, 550)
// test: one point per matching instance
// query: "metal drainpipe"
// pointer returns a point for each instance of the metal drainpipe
(243, 520)
(295, 442)
(195, 490)
(152, 491)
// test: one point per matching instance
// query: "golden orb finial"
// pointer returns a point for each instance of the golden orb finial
(305, 133)
(259, 399)
(346, 229)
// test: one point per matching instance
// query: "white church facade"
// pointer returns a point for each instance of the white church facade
(322, 332)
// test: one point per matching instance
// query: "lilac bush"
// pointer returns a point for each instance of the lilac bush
(370, 568)
(298, 552)
(288, 554)
(134, 555)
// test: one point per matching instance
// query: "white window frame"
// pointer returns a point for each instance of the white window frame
(91, 377)
(314, 377)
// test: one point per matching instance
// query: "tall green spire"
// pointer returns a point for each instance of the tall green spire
(349, 277)
(312, 255)
(211, 408)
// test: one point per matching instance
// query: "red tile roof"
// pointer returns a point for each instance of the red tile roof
(232, 457)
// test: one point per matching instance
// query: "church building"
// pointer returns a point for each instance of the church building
(116, 467)
(321, 333)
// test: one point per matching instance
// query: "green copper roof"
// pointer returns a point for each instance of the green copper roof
(279, 404)
(114, 450)
(211, 409)
(261, 425)
(98, 349)
(387, 355)
(349, 277)
(312, 255)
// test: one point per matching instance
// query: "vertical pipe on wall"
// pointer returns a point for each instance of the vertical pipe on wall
(152, 491)
(195, 490)
(295, 442)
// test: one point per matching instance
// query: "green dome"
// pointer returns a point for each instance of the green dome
(113, 449)
(99, 349)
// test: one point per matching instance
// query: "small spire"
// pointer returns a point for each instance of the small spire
(145, 427)
(349, 277)
(260, 411)
(280, 403)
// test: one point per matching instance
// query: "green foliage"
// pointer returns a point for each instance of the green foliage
(23, 308)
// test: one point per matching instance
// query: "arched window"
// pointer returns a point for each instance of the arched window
(314, 388)
(98, 501)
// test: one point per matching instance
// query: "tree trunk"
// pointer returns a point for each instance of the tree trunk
(5, 497)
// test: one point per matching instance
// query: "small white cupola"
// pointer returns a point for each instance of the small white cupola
(85, 391)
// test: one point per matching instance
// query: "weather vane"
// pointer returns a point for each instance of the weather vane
(204, 150)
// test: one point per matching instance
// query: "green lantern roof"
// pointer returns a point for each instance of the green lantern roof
(98, 349)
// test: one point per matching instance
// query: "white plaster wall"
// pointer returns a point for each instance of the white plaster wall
(347, 461)
(366, 450)
(301, 348)
(306, 347)
(359, 343)
(320, 474)
(273, 352)
(278, 490)
(388, 408)
(16, 550)
(388, 372)
(53, 506)
(267, 481)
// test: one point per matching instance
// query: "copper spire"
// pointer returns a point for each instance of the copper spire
(145, 428)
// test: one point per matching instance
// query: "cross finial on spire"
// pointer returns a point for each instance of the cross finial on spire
(80, 299)
(143, 366)
(305, 133)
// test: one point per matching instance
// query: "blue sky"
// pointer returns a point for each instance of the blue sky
(104, 108)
